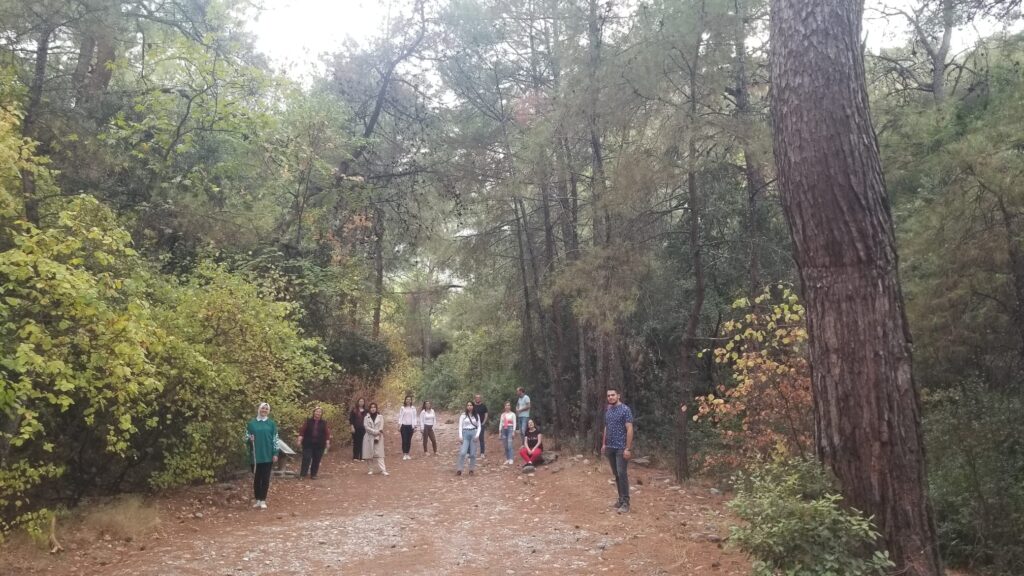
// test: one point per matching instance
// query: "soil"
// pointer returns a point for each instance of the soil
(421, 519)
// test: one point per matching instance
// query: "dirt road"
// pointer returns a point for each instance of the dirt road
(422, 519)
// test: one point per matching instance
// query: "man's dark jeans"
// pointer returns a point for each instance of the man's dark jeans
(619, 463)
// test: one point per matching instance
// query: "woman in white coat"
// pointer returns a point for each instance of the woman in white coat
(373, 442)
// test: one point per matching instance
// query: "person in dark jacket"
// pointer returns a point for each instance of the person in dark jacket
(355, 424)
(314, 438)
(261, 439)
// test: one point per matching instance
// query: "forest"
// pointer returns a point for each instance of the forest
(565, 195)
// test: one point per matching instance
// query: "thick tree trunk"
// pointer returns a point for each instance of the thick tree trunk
(86, 49)
(866, 406)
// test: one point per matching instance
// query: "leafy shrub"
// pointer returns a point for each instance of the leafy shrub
(112, 376)
(766, 404)
(360, 356)
(975, 449)
(795, 525)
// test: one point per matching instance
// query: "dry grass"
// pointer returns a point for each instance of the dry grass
(123, 518)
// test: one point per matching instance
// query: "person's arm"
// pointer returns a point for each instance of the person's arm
(627, 454)
(604, 438)
(302, 432)
(479, 429)
(327, 435)
(274, 445)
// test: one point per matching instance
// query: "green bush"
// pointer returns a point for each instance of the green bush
(795, 526)
(113, 376)
(975, 449)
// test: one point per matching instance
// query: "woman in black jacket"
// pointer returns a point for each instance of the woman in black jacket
(355, 421)
(314, 437)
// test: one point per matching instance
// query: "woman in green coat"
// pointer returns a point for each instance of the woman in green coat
(261, 439)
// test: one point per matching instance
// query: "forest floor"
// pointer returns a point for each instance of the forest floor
(421, 519)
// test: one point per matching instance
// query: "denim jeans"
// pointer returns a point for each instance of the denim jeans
(468, 448)
(618, 464)
(522, 428)
(507, 437)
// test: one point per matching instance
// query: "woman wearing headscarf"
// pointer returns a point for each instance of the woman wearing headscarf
(261, 439)
(355, 420)
(314, 438)
(373, 442)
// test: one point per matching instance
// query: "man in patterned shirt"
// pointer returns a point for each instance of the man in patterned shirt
(617, 443)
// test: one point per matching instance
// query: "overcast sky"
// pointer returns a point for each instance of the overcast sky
(294, 33)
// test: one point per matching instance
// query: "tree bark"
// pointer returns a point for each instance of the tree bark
(597, 155)
(528, 345)
(378, 268)
(86, 49)
(28, 127)
(866, 406)
(753, 166)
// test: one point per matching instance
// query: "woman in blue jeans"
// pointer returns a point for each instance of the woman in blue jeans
(507, 426)
(469, 431)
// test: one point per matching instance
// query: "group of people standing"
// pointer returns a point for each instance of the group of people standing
(367, 427)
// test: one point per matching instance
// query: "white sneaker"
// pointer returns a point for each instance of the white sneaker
(370, 473)
(256, 504)
(263, 504)
(385, 473)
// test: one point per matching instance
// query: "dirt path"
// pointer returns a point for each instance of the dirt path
(423, 520)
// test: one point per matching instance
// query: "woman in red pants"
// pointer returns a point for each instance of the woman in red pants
(533, 445)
